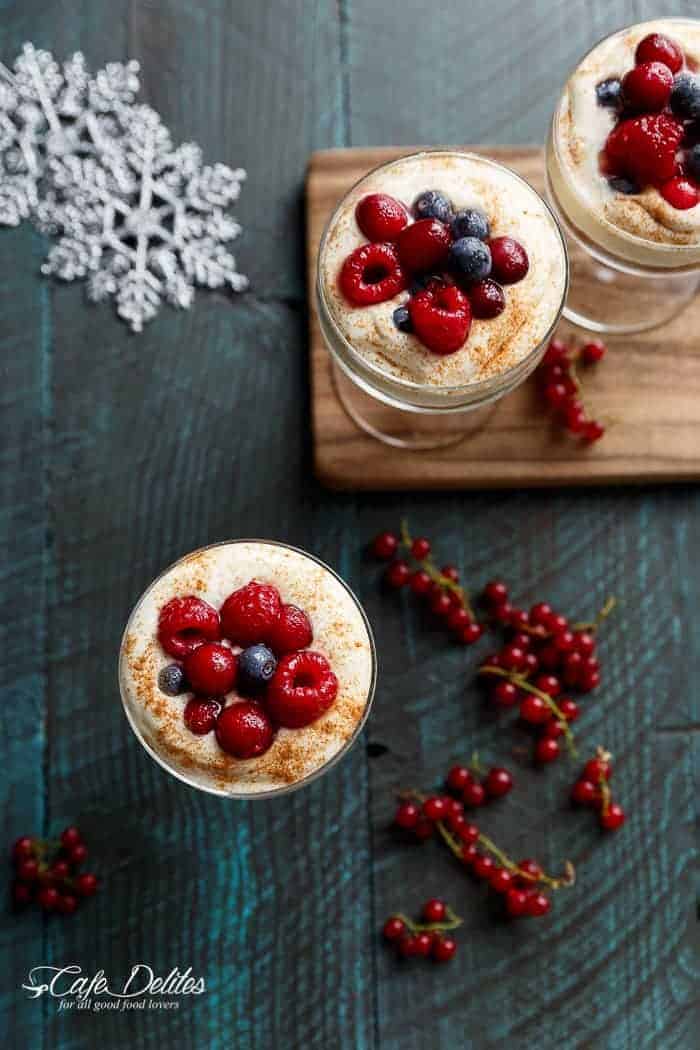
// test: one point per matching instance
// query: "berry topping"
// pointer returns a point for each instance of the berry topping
(659, 48)
(172, 681)
(442, 319)
(244, 730)
(249, 614)
(487, 298)
(680, 193)
(371, 274)
(424, 245)
(648, 87)
(292, 630)
(685, 96)
(470, 258)
(623, 185)
(184, 623)
(380, 217)
(609, 93)
(256, 666)
(471, 223)
(211, 669)
(510, 261)
(433, 205)
(201, 714)
(402, 319)
(645, 148)
(302, 689)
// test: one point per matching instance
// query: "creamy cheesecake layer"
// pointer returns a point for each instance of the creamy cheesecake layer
(640, 227)
(493, 347)
(340, 634)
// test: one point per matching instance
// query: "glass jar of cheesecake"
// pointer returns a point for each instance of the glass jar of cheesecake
(247, 669)
(440, 278)
(623, 176)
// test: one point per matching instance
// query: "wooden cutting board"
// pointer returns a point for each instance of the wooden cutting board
(648, 385)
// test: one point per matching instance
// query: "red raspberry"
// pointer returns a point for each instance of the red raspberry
(424, 245)
(487, 299)
(509, 261)
(200, 715)
(645, 147)
(441, 319)
(184, 623)
(211, 669)
(291, 632)
(244, 730)
(371, 274)
(249, 614)
(303, 687)
(648, 87)
(659, 48)
(680, 193)
(380, 217)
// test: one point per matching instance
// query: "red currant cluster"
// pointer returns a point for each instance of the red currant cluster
(439, 588)
(424, 938)
(543, 654)
(475, 787)
(46, 872)
(561, 387)
(593, 789)
(520, 885)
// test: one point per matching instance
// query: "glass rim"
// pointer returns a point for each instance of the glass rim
(286, 789)
(491, 384)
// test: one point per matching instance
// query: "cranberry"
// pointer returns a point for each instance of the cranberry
(244, 730)
(200, 715)
(385, 546)
(498, 782)
(211, 669)
(509, 260)
(424, 245)
(371, 274)
(394, 928)
(434, 910)
(380, 217)
(487, 298)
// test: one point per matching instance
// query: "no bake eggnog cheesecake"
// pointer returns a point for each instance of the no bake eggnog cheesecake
(246, 668)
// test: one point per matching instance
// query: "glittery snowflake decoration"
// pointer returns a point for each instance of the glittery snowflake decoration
(141, 220)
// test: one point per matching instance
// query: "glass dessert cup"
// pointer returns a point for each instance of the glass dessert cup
(415, 415)
(159, 754)
(621, 283)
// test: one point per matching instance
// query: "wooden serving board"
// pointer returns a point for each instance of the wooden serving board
(648, 386)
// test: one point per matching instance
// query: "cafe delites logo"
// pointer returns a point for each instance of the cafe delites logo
(143, 988)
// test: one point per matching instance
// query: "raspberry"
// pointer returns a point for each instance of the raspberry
(291, 632)
(441, 319)
(184, 623)
(680, 193)
(211, 669)
(487, 299)
(200, 715)
(645, 147)
(303, 687)
(424, 245)
(380, 217)
(371, 274)
(250, 613)
(509, 261)
(659, 48)
(244, 730)
(648, 87)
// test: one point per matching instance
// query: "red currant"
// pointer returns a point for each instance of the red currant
(501, 880)
(474, 794)
(496, 592)
(613, 817)
(516, 901)
(434, 910)
(444, 948)
(385, 546)
(505, 694)
(420, 582)
(407, 815)
(394, 928)
(435, 808)
(534, 710)
(420, 548)
(498, 782)
(483, 866)
(458, 778)
(397, 574)
(584, 792)
(471, 633)
(546, 749)
(537, 904)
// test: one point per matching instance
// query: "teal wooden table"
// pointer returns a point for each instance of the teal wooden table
(120, 452)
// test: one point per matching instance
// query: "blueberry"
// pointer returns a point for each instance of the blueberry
(433, 205)
(609, 93)
(471, 258)
(172, 681)
(693, 162)
(685, 96)
(256, 666)
(623, 185)
(471, 223)
(402, 319)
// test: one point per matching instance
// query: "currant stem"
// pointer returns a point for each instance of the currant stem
(567, 879)
(452, 923)
(522, 683)
(593, 625)
(428, 566)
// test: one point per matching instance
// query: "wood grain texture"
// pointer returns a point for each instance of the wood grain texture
(649, 386)
(121, 452)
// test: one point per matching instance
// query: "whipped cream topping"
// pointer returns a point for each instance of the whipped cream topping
(494, 346)
(341, 634)
(582, 129)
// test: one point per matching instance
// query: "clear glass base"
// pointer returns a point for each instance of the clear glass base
(413, 429)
